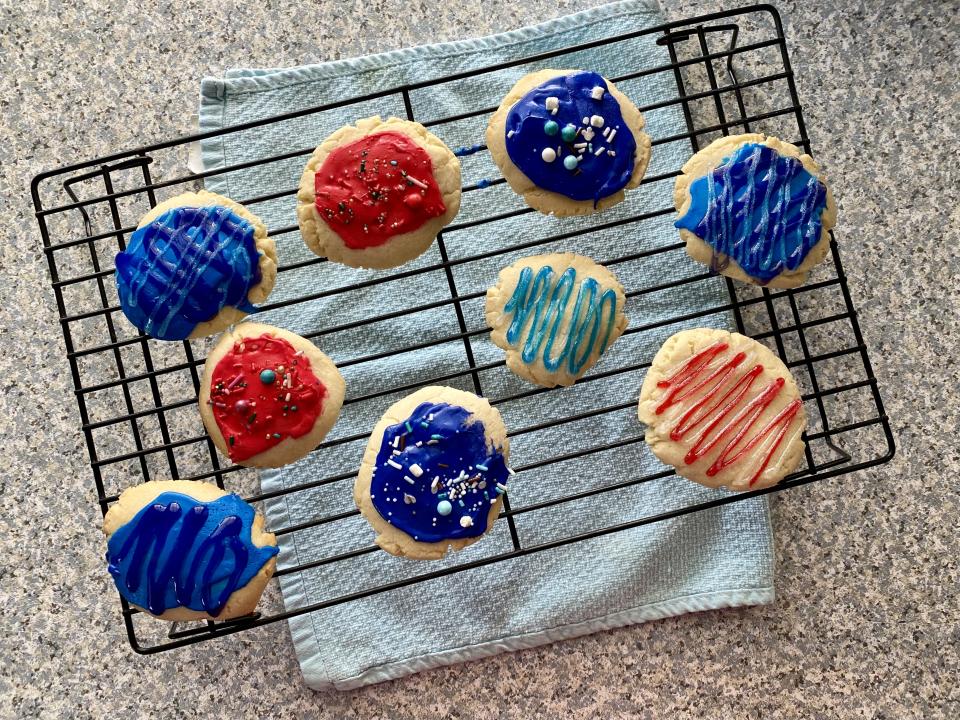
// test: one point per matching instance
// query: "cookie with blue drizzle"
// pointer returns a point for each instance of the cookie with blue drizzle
(182, 550)
(195, 265)
(569, 142)
(755, 209)
(434, 473)
(555, 315)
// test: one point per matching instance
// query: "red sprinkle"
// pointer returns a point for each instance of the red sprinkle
(251, 433)
(367, 200)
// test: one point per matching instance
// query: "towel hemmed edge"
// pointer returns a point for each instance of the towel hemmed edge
(715, 600)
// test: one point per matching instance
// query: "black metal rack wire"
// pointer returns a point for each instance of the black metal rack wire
(813, 328)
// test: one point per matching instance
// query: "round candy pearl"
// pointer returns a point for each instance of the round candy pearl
(551, 128)
(268, 376)
(549, 154)
(242, 406)
(570, 162)
(569, 133)
(466, 521)
(413, 200)
(444, 507)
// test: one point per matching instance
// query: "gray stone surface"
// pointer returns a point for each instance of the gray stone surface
(866, 622)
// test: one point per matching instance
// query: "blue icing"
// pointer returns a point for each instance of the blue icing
(180, 552)
(528, 133)
(758, 207)
(184, 267)
(539, 303)
(437, 455)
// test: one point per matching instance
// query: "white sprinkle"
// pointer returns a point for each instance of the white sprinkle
(435, 484)
(586, 120)
(552, 103)
(559, 150)
(397, 452)
(548, 155)
(605, 131)
(511, 471)
(287, 398)
(597, 92)
(416, 470)
(433, 442)
(394, 464)
(408, 499)
(430, 417)
(554, 111)
(395, 441)
(611, 153)
(418, 443)
(502, 487)
(596, 121)
(588, 134)
(466, 521)
(416, 182)
(580, 145)
(613, 134)
(600, 151)
(409, 480)
(510, 134)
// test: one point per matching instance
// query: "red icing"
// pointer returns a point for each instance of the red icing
(725, 394)
(255, 416)
(366, 200)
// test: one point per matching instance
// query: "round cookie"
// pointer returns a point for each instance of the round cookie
(729, 199)
(555, 315)
(182, 550)
(723, 410)
(375, 194)
(568, 141)
(433, 473)
(268, 396)
(196, 264)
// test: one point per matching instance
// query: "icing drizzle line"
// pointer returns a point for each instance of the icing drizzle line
(546, 302)
(724, 411)
(758, 207)
(180, 552)
(184, 267)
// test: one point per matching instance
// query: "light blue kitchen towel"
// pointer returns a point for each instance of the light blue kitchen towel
(718, 558)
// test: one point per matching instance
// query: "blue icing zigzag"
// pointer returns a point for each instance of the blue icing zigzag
(435, 476)
(600, 166)
(586, 322)
(184, 267)
(180, 552)
(758, 207)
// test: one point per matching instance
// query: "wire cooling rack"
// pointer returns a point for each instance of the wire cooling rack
(732, 74)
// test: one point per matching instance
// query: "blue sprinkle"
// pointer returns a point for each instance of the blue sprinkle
(460, 152)
(484, 183)
(461, 503)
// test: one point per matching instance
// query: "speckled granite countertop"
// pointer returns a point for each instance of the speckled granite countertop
(866, 620)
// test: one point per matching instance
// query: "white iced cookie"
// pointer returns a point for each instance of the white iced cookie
(555, 315)
(723, 410)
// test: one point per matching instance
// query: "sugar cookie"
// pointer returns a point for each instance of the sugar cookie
(755, 209)
(723, 410)
(182, 550)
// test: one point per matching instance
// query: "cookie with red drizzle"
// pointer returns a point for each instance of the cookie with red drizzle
(268, 396)
(723, 410)
(376, 194)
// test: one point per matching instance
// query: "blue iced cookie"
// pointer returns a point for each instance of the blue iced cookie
(568, 141)
(755, 209)
(195, 265)
(183, 550)
(434, 473)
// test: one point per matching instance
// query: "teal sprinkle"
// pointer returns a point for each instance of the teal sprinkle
(442, 496)
(276, 436)
(481, 467)
(461, 503)
(424, 423)
(436, 437)
(407, 425)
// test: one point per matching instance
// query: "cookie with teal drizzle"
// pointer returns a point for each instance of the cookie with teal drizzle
(434, 473)
(183, 550)
(755, 209)
(555, 316)
(195, 265)
(568, 141)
